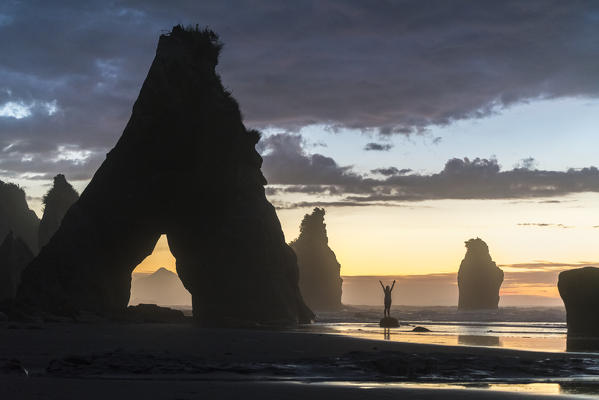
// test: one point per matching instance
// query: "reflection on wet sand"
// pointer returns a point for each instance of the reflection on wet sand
(574, 388)
(458, 336)
(477, 340)
(387, 333)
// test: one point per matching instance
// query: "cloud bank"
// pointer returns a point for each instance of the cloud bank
(290, 169)
(70, 71)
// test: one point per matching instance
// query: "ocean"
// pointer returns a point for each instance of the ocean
(519, 328)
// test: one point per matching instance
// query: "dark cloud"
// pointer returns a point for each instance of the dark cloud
(292, 170)
(551, 266)
(378, 147)
(396, 67)
(286, 162)
(391, 171)
(545, 225)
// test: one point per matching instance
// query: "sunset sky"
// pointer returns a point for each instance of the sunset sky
(416, 125)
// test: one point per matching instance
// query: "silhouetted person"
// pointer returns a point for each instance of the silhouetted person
(387, 290)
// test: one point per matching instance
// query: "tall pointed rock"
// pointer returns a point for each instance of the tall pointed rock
(56, 204)
(320, 280)
(185, 166)
(479, 278)
(16, 216)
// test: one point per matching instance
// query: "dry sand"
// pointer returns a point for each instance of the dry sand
(182, 361)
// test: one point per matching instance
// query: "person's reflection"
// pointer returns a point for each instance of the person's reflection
(387, 333)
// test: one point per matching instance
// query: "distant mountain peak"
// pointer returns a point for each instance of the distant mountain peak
(163, 271)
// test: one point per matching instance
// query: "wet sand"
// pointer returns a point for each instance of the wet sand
(77, 389)
(101, 360)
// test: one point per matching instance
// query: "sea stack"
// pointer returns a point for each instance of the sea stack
(16, 216)
(14, 257)
(320, 280)
(579, 289)
(479, 278)
(56, 203)
(185, 166)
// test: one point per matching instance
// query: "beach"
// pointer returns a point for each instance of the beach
(184, 361)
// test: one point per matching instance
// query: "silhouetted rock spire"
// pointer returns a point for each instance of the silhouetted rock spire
(16, 216)
(579, 289)
(14, 257)
(320, 281)
(185, 166)
(479, 278)
(56, 203)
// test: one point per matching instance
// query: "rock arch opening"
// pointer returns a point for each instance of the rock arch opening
(186, 166)
(155, 280)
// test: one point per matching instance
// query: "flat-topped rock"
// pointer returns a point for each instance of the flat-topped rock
(579, 289)
(389, 322)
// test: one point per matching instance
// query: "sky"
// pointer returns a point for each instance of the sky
(416, 124)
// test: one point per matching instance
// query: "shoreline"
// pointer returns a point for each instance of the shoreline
(104, 353)
(42, 388)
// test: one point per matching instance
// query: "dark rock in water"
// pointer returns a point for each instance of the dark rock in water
(479, 278)
(16, 216)
(153, 313)
(582, 344)
(185, 166)
(320, 280)
(579, 289)
(56, 204)
(14, 257)
(389, 322)
(161, 287)
(420, 329)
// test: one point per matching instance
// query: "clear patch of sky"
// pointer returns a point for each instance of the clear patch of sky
(558, 134)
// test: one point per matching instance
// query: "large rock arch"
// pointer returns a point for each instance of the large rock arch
(187, 167)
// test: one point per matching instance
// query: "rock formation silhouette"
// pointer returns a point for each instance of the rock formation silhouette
(579, 289)
(14, 257)
(16, 216)
(56, 204)
(161, 287)
(388, 322)
(152, 313)
(479, 278)
(320, 281)
(185, 166)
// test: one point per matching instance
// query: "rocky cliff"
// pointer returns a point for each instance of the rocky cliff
(14, 257)
(320, 280)
(479, 278)
(56, 203)
(185, 166)
(16, 216)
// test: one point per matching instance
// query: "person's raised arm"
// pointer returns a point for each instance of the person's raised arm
(392, 285)
(383, 286)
